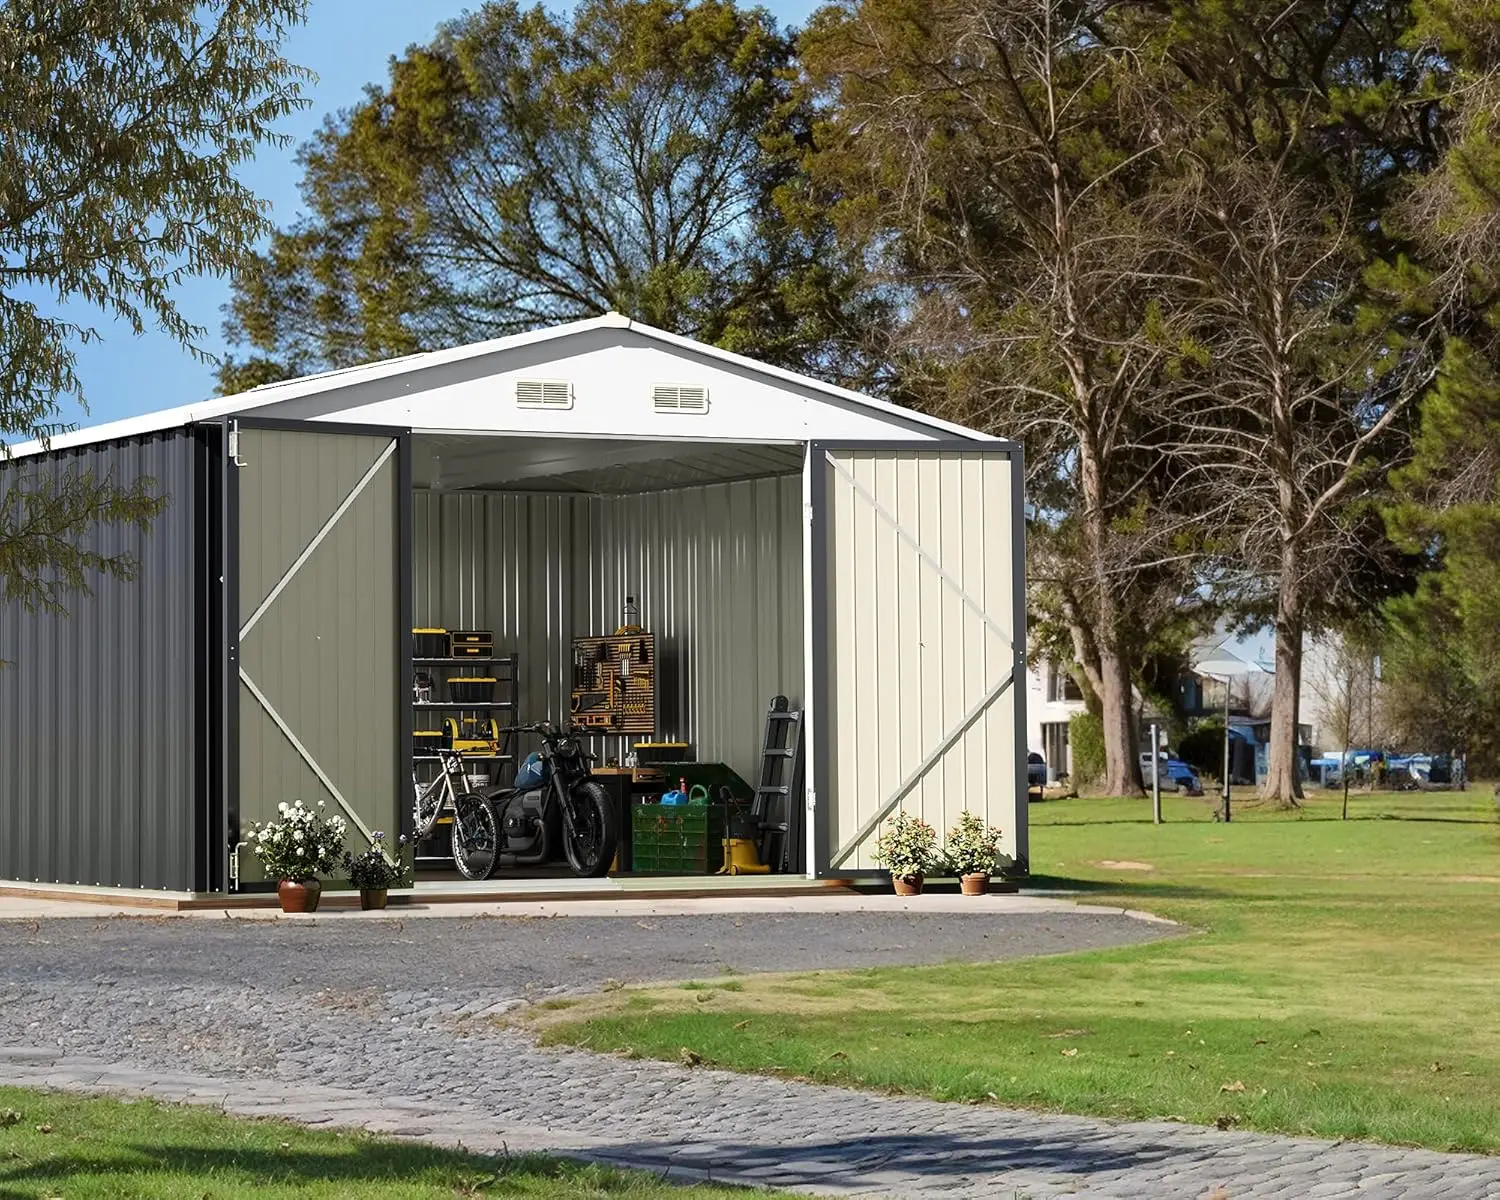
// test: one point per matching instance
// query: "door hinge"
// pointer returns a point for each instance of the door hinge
(234, 445)
(807, 513)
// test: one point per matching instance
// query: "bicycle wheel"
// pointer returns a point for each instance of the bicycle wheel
(476, 838)
(427, 806)
(589, 834)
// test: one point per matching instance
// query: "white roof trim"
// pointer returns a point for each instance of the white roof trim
(330, 381)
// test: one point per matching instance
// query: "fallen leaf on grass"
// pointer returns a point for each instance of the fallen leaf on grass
(690, 1058)
(1237, 1086)
(1070, 1052)
(1327, 1062)
(741, 1024)
(1437, 1066)
(1226, 1121)
(1067, 1033)
(1261, 1042)
(44, 1129)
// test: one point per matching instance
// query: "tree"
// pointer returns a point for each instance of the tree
(994, 162)
(123, 124)
(1444, 673)
(1439, 680)
(1294, 408)
(521, 171)
(1298, 126)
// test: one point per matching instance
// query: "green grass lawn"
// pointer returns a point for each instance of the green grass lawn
(1343, 981)
(71, 1148)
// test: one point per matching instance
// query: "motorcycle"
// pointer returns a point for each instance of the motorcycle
(554, 798)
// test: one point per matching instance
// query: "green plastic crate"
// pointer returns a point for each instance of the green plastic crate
(676, 839)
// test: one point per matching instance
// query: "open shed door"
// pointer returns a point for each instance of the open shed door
(320, 516)
(918, 630)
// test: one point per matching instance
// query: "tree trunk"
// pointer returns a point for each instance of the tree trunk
(1283, 779)
(1122, 767)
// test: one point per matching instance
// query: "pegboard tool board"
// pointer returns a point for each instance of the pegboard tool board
(615, 683)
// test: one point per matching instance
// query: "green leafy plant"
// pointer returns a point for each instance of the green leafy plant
(302, 844)
(972, 846)
(1086, 737)
(907, 846)
(372, 870)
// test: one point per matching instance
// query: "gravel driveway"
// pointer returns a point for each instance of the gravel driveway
(380, 1024)
(517, 958)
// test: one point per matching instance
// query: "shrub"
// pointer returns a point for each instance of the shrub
(1203, 748)
(972, 846)
(371, 870)
(302, 844)
(1086, 739)
(907, 846)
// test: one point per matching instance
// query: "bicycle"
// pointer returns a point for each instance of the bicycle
(474, 835)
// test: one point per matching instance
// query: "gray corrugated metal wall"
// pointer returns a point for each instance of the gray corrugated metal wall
(716, 570)
(98, 747)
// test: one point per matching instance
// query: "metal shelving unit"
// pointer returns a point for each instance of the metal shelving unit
(502, 763)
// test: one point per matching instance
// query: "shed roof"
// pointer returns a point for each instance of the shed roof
(389, 390)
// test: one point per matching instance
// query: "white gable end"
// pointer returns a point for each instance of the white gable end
(603, 377)
(614, 376)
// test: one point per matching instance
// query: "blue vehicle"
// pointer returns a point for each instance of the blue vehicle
(1176, 775)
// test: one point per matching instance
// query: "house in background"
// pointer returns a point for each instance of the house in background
(1053, 698)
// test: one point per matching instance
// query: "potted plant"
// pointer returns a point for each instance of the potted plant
(295, 849)
(972, 849)
(373, 872)
(907, 848)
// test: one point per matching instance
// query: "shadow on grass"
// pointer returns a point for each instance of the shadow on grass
(1133, 887)
(360, 1163)
(944, 1158)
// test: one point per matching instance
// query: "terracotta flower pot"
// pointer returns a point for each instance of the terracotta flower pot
(299, 895)
(372, 898)
(977, 884)
(907, 885)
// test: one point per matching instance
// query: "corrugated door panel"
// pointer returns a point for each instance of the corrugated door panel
(324, 655)
(97, 708)
(920, 644)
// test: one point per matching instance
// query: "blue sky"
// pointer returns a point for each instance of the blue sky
(348, 43)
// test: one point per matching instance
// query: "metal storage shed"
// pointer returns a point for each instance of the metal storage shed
(783, 536)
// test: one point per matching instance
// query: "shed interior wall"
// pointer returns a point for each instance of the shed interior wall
(717, 572)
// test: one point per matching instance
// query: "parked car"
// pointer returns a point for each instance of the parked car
(1176, 775)
(1036, 770)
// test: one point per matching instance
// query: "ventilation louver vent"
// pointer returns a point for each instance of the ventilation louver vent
(544, 393)
(677, 398)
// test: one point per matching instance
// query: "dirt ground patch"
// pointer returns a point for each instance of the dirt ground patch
(1110, 864)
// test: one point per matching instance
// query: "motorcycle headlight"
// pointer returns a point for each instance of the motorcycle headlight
(568, 747)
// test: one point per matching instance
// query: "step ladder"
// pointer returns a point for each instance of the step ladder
(778, 808)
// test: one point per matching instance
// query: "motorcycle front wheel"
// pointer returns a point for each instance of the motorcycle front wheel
(589, 833)
(476, 837)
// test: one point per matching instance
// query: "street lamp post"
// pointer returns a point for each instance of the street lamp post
(1224, 665)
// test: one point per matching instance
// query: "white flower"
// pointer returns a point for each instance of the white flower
(283, 808)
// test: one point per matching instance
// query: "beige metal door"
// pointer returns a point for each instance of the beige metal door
(919, 636)
(321, 652)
